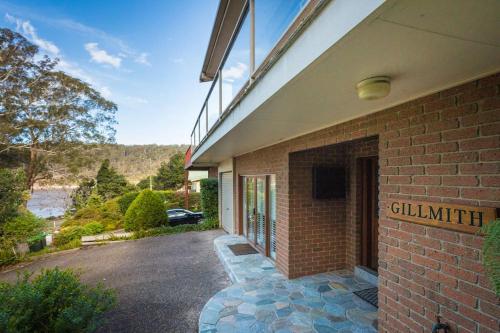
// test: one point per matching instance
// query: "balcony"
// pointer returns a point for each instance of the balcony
(258, 37)
(307, 80)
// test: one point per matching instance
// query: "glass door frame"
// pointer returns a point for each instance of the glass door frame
(244, 179)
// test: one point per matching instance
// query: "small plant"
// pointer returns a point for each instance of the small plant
(23, 227)
(126, 200)
(146, 211)
(491, 253)
(208, 224)
(209, 197)
(54, 301)
(68, 234)
(92, 228)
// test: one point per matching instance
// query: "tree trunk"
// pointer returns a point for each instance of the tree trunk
(31, 170)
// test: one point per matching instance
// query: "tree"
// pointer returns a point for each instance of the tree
(110, 184)
(47, 117)
(170, 175)
(11, 194)
(81, 195)
(145, 212)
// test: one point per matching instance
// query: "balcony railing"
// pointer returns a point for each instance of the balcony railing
(260, 28)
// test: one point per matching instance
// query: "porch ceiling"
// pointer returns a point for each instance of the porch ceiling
(424, 46)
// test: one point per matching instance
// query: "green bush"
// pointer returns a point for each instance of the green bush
(12, 188)
(146, 211)
(7, 255)
(491, 253)
(108, 214)
(209, 197)
(80, 195)
(207, 224)
(111, 210)
(68, 234)
(194, 202)
(24, 226)
(92, 228)
(126, 200)
(175, 199)
(55, 301)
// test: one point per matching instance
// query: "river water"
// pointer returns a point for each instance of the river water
(49, 202)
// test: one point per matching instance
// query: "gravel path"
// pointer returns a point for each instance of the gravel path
(162, 282)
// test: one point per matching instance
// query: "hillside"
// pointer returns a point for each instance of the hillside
(132, 161)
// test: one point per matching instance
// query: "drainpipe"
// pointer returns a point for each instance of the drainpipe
(186, 190)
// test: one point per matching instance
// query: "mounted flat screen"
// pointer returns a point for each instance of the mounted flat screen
(328, 182)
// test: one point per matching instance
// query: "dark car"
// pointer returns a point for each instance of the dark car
(183, 216)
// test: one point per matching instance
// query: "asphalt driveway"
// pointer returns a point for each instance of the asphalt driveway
(162, 282)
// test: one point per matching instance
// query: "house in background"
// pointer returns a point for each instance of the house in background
(195, 178)
(361, 134)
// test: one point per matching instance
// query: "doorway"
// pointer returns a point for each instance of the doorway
(369, 207)
(227, 201)
(259, 212)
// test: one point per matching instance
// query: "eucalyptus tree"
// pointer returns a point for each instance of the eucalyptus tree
(48, 119)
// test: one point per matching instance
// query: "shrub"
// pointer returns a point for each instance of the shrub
(194, 201)
(92, 228)
(68, 234)
(7, 255)
(111, 210)
(146, 211)
(209, 197)
(24, 226)
(80, 195)
(107, 214)
(55, 301)
(11, 193)
(491, 253)
(207, 224)
(125, 200)
(210, 223)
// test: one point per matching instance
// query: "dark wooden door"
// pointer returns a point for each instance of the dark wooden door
(369, 230)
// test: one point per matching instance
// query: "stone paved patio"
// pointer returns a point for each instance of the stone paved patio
(263, 300)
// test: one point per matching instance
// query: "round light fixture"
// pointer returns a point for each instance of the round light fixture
(374, 87)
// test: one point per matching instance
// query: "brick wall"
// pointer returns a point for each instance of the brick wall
(318, 226)
(442, 147)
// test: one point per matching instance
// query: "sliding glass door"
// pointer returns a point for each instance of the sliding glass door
(259, 212)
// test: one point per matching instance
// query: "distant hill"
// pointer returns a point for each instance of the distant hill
(131, 161)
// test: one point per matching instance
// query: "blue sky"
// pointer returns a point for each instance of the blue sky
(145, 56)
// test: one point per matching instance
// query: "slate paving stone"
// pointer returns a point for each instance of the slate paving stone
(263, 300)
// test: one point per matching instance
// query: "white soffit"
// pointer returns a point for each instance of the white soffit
(425, 46)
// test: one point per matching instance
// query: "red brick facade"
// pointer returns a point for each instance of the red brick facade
(442, 147)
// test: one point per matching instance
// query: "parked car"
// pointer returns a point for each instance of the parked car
(183, 216)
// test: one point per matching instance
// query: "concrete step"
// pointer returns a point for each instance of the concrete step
(366, 274)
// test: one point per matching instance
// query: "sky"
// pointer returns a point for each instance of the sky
(145, 56)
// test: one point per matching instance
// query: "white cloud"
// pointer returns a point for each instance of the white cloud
(29, 31)
(235, 72)
(142, 59)
(74, 70)
(105, 92)
(102, 57)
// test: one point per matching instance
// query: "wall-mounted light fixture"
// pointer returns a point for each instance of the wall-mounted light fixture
(374, 87)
